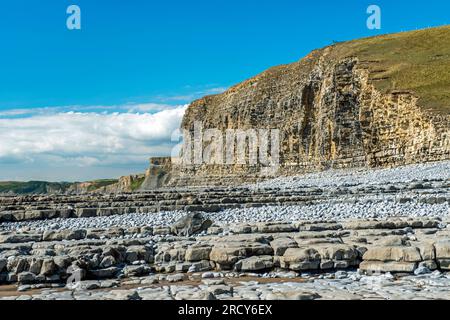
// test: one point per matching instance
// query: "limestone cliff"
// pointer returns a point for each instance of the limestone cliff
(123, 184)
(159, 173)
(382, 101)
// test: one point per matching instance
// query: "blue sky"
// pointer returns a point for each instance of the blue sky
(158, 56)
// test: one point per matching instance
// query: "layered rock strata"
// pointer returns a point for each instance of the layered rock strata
(332, 117)
(332, 110)
(432, 194)
(404, 245)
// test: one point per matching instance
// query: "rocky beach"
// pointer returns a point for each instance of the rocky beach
(323, 179)
(339, 234)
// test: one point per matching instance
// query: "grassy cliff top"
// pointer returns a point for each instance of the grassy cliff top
(32, 187)
(44, 187)
(97, 184)
(415, 61)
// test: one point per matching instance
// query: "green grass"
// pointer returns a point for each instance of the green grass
(137, 183)
(416, 61)
(42, 187)
(97, 184)
(35, 187)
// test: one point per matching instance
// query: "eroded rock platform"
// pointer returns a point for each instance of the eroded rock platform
(103, 259)
(336, 235)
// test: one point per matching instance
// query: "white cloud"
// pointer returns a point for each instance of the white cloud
(193, 95)
(85, 139)
(76, 143)
(148, 107)
(131, 108)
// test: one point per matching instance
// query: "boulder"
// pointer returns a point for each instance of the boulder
(215, 230)
(139, 252)
(191, 224)
(391, 266)
(26, 277)
(300, 259)
(136, 271)
(118, 252)
(123, 295)
(240, 228)
(337, 252)
(399, 254)
(255, 263)
(203, 265)
(280, 245)
(17, 264)
(326, 264)
(62, 262)
(89, 285)
(198, 253)
(177, 277)
(427, 251)
(52, 235)
(344, 264)
(167, 254)
(131, 256)
(422, 270)
(442, 249)
(227, 254)
(107, 262)
(35, 266)
(48, 267)
(176, 254)
(104, 273)
(300, 254)
(74, 234)
(182, 267)
(220, 289)
(392, 241)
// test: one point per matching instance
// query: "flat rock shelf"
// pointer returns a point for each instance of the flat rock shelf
(343, 234)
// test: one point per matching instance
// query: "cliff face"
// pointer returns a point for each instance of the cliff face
(123, 184)
(159, 173)
(338, 108)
